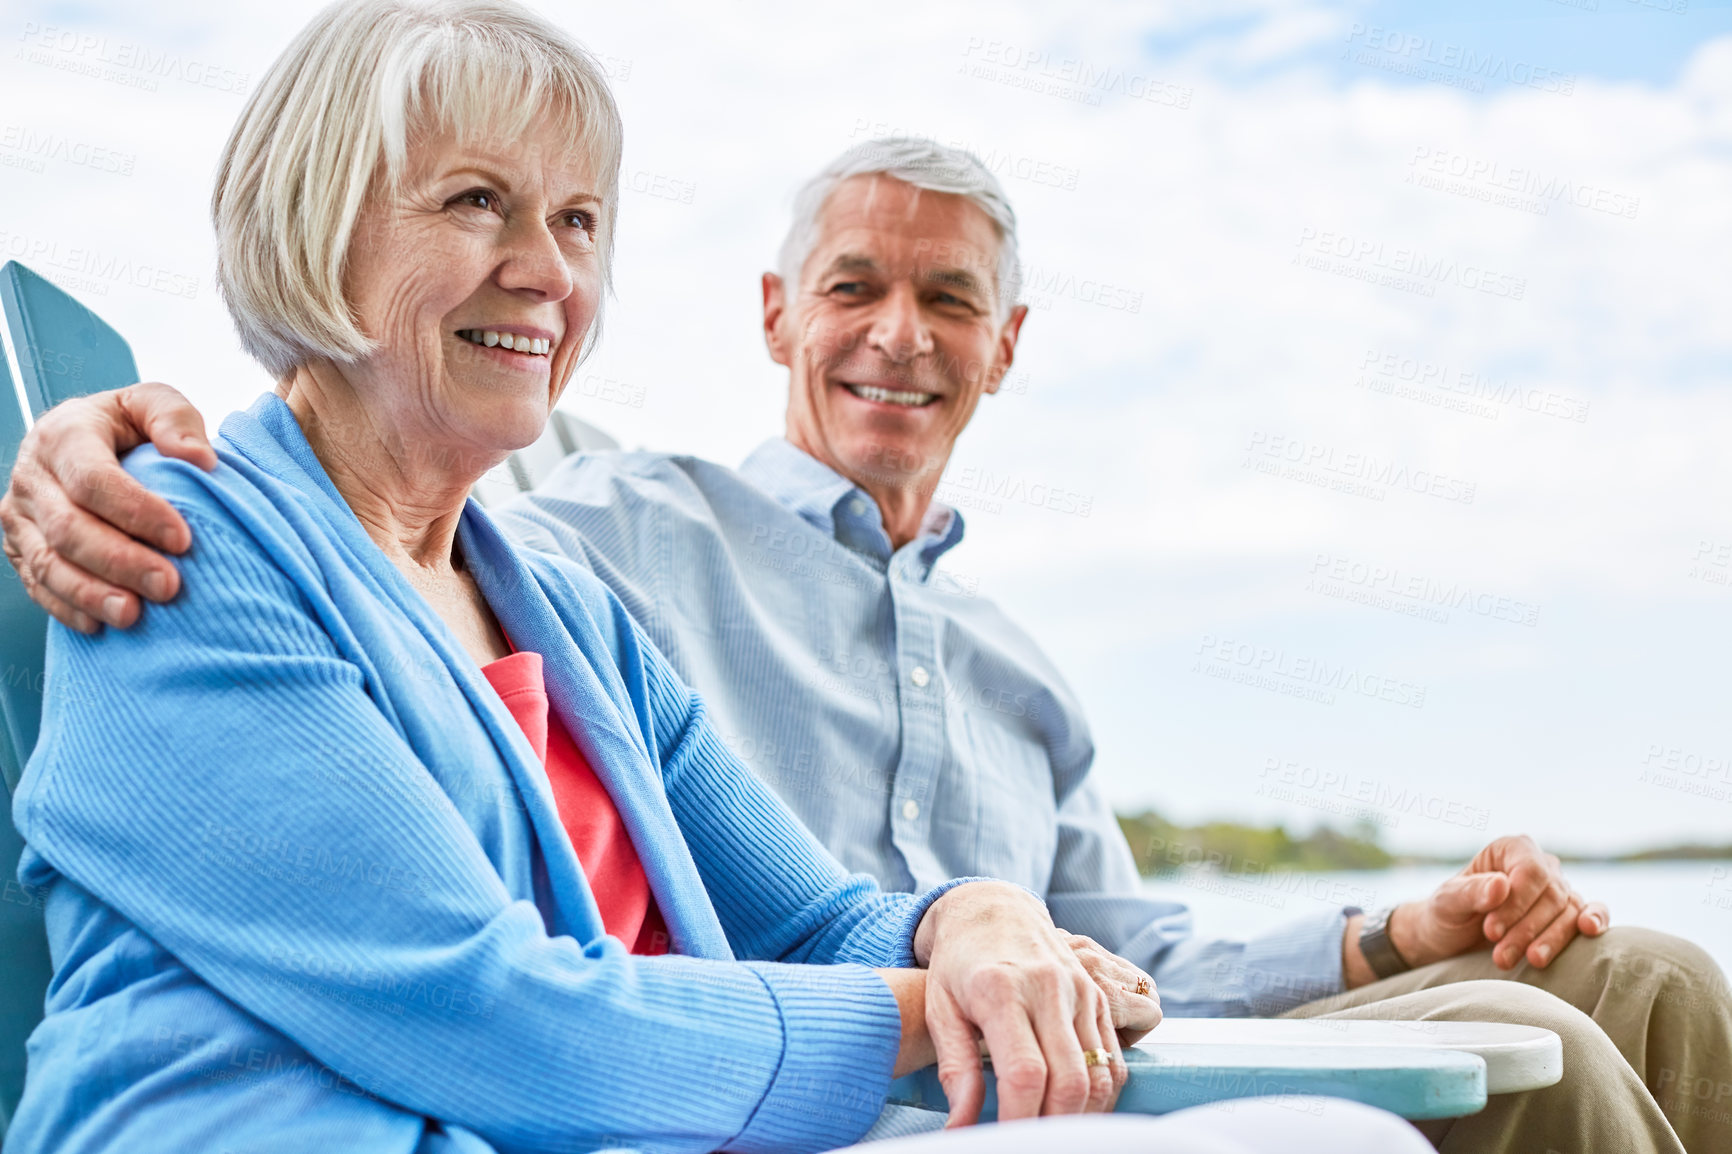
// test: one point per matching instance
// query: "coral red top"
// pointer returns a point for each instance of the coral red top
(590, 818)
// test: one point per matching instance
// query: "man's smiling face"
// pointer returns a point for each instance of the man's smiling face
(893, 333)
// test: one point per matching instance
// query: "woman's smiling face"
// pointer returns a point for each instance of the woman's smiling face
(477, 277)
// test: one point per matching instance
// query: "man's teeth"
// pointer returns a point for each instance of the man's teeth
(890, 396)
(537, 346)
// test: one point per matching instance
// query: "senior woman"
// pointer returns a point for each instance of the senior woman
(385, 836)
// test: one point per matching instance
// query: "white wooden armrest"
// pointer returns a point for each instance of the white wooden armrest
(1517, 1058)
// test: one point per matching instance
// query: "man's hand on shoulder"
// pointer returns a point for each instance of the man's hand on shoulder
(1513, 897)
(80, 530)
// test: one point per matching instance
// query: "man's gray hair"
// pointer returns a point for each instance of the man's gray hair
(925, 164)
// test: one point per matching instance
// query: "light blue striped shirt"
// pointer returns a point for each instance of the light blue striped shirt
(909, 723)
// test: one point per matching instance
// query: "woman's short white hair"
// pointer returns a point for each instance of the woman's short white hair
(925, 164)
(331, 124)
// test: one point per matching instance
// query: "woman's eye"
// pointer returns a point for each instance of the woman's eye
(581, 220)
(480, 198)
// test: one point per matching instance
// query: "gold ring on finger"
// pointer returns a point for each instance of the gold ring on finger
(1142, 985)
(1097, 1057)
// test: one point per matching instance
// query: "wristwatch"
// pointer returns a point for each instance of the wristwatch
(1380, 953)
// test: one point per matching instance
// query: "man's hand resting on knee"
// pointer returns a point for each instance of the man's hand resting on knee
(1512, 897)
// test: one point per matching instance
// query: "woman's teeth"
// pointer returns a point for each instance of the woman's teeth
(535, 346)
(890, 396)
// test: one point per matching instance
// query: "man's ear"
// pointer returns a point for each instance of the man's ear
(775, 305)
(1007, 337)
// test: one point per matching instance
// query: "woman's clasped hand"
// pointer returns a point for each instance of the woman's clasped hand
(1003, 981)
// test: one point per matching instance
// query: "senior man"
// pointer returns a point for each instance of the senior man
(917, 730)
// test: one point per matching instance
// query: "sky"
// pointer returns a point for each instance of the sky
(1363, 458)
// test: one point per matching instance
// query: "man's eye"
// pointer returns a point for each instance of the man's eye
(849, 286)
(953, 302)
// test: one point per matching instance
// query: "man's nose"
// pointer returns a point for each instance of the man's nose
(899, 329)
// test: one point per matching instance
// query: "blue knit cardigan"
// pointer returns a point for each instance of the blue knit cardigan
(307, 888)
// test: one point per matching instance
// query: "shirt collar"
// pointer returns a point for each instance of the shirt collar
(841, 509)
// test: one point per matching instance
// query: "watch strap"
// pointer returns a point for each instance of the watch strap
(1380, 953)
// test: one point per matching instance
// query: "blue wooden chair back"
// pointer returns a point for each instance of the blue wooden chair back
(63, 350)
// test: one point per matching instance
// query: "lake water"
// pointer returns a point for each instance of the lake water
(1690, 899)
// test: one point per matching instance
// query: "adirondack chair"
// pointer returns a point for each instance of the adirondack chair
(1417, 1070)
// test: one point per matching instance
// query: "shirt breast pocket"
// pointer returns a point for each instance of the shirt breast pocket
(1018, 823)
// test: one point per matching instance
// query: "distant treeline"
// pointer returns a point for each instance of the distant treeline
(1161, 847)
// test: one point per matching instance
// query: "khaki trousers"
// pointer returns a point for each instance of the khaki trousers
(1646, 1023)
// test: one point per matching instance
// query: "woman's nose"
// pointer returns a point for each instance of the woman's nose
(533, 262)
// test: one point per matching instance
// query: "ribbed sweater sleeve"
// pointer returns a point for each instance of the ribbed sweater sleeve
(177, 749)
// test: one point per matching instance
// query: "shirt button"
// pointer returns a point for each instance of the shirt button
(857, 507)
(910, 809)
(919, 677)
